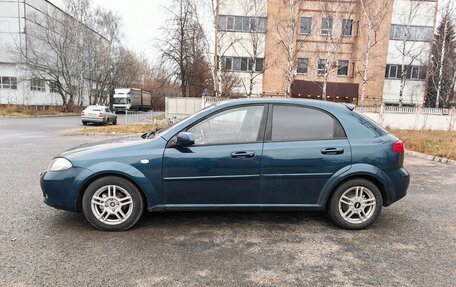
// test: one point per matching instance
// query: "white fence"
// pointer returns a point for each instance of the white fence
(412, 118)
(406, 110)
(137, 117)
(181, 107)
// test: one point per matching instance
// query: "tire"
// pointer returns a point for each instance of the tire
(356, 204)
(115, 121)
(112, 204)
(84, 123)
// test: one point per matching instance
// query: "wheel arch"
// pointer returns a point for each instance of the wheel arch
(141, 182)
(92, 179)
(363, 171)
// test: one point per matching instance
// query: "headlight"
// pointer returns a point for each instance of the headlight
(59, 164)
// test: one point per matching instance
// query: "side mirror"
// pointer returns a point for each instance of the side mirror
(185, 139)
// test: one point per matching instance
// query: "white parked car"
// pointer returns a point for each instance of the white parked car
(101, 115)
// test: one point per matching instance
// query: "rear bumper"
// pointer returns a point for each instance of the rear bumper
(93, 120)
(400, 180)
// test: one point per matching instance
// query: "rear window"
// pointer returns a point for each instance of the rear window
(94, 109)
(371, 124)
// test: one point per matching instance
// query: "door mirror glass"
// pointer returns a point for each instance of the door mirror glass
(185, 139)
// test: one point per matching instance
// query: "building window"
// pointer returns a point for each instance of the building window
(347, 27)
(229, 23)
(38, 85)
(306, 26)
(342, 68)
(259, 65)
(411, 72)
(8, 83)
(321, 67)
(326, 26)
(53, 87)
(415, 72)
(243, 64)
(228, 63)
(242, 24)
(411, 33)
(303, 65)
(392, 71)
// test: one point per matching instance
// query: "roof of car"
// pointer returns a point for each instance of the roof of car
(308, 102)
(96, 106)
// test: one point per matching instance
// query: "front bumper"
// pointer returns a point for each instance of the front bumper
(61, 189)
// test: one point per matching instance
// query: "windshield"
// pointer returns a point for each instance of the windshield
(120, 100)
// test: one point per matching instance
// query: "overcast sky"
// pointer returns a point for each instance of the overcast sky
(141, 22)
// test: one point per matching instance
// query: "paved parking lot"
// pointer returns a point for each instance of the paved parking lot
(412, 244)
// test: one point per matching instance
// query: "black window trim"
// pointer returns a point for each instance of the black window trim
(268, 133)
(261, 129)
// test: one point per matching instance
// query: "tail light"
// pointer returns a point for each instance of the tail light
(100, 115)
(82, 114)
(399, 146)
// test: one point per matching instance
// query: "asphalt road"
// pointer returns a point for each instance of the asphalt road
(412, 244)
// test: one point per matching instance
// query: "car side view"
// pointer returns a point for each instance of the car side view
(253, 154)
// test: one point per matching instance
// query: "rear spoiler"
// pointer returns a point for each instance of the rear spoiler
(351, 107)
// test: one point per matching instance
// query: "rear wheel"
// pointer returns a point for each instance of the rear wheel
(84, 123)
(355, 204)
(112, 204)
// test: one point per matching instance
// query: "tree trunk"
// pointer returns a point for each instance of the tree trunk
(442, 59)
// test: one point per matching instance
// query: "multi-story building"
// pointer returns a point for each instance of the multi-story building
(17, 19)
(330, 41)
(241, 37)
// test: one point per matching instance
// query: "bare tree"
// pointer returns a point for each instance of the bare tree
(253, 44)
(183, 48)
(286, 31)
(410, 50)
(334, 14)
(217, 46)
(443, 61)
(374, 13)
(77, 53)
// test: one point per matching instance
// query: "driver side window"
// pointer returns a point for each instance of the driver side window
(239, 125)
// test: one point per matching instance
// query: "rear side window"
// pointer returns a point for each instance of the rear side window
(374, 127)
(292, 123)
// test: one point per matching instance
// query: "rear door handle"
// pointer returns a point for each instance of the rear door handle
(332, 150)
(246, 154)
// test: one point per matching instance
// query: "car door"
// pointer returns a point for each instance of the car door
(303, 148)
(222, 168)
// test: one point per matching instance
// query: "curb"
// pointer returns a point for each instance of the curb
(430, 157)
(98, 134)
(38, 116)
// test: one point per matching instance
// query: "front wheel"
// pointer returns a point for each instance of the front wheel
(355, 204)
(112, 204)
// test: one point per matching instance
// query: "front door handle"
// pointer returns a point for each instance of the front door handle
(332, 150)
(246, 154)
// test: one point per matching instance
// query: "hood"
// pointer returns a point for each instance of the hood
(107, 147)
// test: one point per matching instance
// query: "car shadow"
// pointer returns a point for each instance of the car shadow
(205, 219)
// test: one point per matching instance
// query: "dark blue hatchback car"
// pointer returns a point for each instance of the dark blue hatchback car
(264, 154)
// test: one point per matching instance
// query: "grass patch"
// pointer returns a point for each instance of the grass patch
(437, 143)
(123, 129)
(27, 111)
